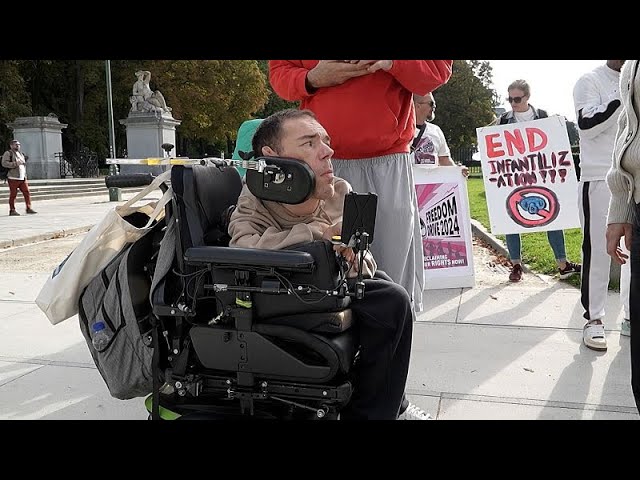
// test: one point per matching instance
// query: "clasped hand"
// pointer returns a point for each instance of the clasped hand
(347, 253)
(328, 73)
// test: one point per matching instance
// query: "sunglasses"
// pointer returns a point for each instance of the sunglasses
(430, 103)
(515, 99)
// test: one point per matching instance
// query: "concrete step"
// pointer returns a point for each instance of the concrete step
(49, 189)
(55, 189)
(61, 181)
(70, 193)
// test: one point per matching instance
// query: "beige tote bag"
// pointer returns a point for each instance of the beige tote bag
(59, 296)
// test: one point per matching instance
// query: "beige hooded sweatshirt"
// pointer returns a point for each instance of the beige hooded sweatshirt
(269, 225)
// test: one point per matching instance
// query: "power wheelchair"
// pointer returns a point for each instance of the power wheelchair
(247, 333)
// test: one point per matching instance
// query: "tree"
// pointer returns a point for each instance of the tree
(275, 103)
(75, 91)
(572, 131)
(14, 98)
(211, 97)
(466, 102)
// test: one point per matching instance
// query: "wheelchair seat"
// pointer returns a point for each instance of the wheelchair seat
(262, 330)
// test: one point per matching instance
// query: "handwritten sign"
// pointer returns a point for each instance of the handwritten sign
(529, 176)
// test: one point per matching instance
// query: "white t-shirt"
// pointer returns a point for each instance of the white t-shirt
(525, 116)
(431, 145)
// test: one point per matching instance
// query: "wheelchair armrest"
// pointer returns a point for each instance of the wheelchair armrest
(250, 257)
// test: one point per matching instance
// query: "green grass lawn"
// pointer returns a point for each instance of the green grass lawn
(536, 252)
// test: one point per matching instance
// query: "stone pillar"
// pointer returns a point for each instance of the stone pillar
(41, 139)
(146, 132)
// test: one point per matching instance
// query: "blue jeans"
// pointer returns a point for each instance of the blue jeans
(556, 240)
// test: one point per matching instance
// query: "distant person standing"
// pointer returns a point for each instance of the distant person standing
(596, 96)
(521, 111)
(16, 161)
(430, 145)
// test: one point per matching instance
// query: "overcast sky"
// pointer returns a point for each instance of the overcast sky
(551, 81)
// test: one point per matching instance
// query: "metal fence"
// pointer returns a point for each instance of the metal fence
(83, 164)
(464, 155)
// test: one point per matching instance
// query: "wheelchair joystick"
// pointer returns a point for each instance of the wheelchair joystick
(362, 245)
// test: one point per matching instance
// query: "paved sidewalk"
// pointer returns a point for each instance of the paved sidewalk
(56, 218)
(495, 351)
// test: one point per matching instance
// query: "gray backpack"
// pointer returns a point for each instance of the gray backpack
(119, 298)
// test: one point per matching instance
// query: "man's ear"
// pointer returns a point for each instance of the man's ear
(269, 152)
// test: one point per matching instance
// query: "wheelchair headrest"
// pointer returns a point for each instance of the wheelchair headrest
(284, 180)
(204, 195)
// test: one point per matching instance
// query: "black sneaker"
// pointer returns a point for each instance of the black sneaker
(569, 269)
(516, 273)
(13, 213)
(31, 211)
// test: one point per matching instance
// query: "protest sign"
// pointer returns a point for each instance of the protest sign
(445, 226)
(529, 176)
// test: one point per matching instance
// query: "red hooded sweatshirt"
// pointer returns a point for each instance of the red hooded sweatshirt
(367, 116)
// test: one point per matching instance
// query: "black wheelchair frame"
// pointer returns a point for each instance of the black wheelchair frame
(221, 348)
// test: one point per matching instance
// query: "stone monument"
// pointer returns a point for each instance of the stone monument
(41, 139)
(149, 125)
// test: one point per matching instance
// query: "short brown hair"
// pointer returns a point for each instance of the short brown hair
(520, 85)
(269, 132)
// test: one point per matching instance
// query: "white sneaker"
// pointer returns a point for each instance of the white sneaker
(413, 412)
(593, 336)
(625, 328)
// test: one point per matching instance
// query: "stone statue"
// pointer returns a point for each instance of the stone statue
(144, 99)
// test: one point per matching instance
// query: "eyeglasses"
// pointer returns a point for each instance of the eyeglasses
(432, 104)
(515, 99)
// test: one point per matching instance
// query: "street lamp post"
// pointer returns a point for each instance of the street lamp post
(115, 194)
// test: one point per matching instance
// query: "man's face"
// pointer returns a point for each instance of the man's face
(305, 139)
(425, 109)
(15, 146)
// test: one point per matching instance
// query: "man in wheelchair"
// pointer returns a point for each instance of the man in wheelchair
(254, 313)
(384, 317)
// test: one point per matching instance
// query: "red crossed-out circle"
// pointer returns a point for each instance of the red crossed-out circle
(543, 216)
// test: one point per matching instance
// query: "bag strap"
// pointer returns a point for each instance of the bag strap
(166, 198)
(163, 177)
(418, 136)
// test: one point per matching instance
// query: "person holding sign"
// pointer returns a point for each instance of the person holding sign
(521, 111)
(624, 209)
(429, 145)
(597, 103)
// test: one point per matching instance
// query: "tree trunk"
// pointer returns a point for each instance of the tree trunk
(79, 111)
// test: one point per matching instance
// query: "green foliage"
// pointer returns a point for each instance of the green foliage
(14, 99)
(572, 131)
(536, 252)
(274, 103)
(211, 97)
(478, 201)
(465, 103)
(75, 91)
